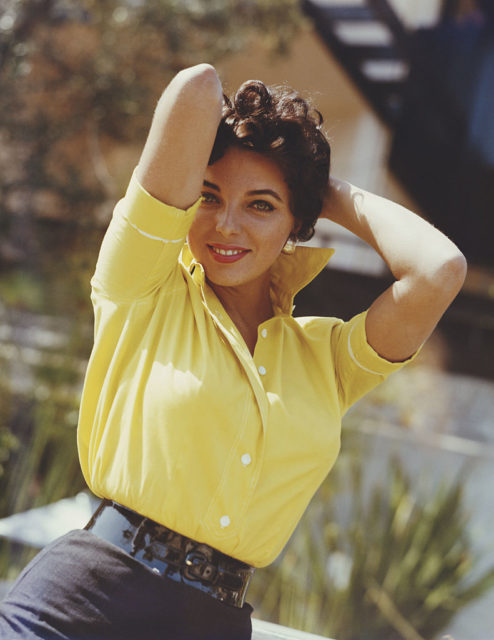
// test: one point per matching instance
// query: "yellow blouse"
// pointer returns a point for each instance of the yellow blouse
(179, 422)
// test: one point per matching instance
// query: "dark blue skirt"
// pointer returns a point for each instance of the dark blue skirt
(81, 587)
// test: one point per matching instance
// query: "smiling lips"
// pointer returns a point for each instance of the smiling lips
(226, 253)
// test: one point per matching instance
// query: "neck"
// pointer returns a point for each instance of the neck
(248, 306)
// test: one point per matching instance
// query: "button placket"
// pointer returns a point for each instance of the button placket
(246, 459)
(236, 484)
(261, 351)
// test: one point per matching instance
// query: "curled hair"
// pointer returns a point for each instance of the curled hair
(277, 122)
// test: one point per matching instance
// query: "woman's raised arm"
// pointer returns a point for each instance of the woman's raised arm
(179, 143)
(429, 269)
(140, 250)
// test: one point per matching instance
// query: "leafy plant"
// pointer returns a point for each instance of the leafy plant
(391, 565)
(80, 79)
(38, 456)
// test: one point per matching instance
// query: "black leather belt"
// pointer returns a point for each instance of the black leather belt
(170, 554)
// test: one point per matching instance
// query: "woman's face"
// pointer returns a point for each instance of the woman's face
(243, 221)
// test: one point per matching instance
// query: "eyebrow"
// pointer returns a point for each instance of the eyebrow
(211, 185)
(253, 192)
(268, 192)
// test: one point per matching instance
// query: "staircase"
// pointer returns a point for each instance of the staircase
(371, 43)
(434, 88)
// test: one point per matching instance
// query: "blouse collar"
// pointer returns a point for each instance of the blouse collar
(289, 274)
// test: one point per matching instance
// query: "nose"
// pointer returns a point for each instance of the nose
(227, 221)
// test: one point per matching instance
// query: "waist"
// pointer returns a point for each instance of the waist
(172, 555)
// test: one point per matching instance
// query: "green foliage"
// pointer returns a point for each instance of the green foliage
(38, 457)
(21, 289)
(39, 397)
(81, 76)
(380, 565)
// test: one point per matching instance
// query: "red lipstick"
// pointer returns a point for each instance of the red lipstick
(226, 253)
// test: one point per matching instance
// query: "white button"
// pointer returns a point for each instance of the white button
(224, 521)
(262, 371)
(264, 333)
(246, 459)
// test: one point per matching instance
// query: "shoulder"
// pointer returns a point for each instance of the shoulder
(317, 326)
(348, 344)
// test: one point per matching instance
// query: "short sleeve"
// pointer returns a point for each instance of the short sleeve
(140, 250)
(358, 367)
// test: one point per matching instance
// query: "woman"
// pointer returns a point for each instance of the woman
(210, 415)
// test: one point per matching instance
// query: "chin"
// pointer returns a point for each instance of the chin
(225, 281)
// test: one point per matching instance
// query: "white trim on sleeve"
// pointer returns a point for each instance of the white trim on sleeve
(148, 235)
(352, 356)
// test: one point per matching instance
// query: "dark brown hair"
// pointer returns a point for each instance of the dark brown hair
(277, 122)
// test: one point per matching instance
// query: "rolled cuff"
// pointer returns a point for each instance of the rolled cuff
(364, 356)
(154, 218)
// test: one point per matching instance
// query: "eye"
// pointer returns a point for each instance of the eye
(207, 197)
(262, 205)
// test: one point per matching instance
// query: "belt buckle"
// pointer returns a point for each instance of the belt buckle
(198, 567)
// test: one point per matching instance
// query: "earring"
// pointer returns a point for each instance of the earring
(289, 247)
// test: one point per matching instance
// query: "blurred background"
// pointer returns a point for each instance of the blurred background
(397, 544)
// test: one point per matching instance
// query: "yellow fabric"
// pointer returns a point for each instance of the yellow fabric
(179, 422)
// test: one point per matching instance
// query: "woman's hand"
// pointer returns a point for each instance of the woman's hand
(429, 269)
(181, 137)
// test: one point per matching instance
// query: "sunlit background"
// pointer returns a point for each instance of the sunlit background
(397, 545)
